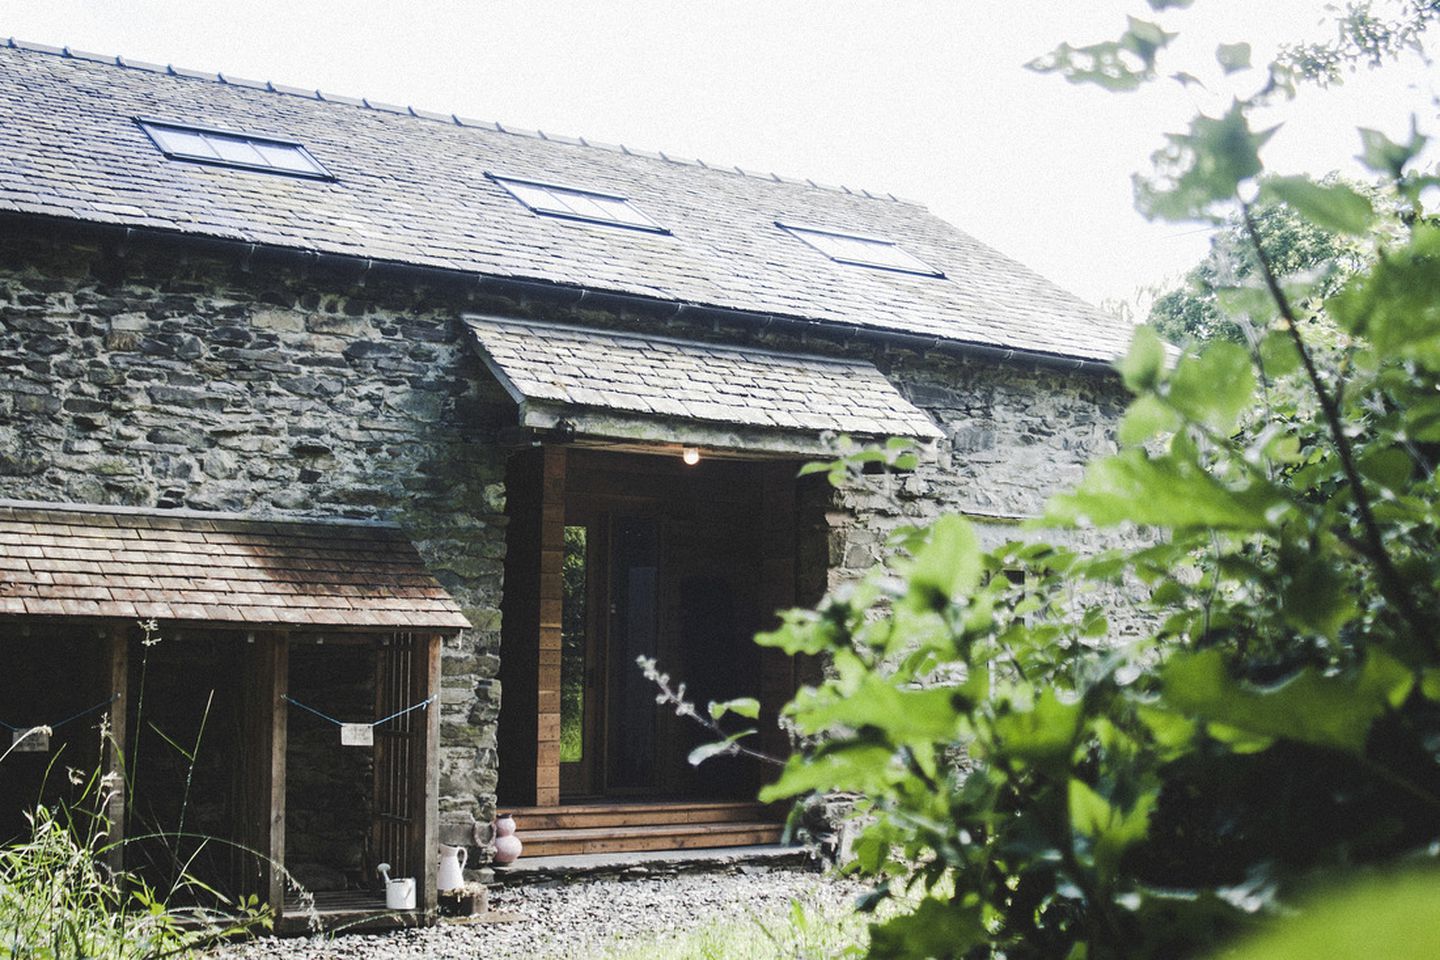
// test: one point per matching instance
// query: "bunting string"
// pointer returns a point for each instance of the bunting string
(375, 723)
(70, 719)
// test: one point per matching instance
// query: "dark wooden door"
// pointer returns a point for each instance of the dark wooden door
(664, 562)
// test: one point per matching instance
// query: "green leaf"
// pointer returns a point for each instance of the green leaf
(1113, 830)
(1278, 354)
(1392, 917)
(747, 707)
(1202, 168)
(1122, 64)
(1395, 305)
(1327, 711)
(801, 631)
(904, 716)
(707, 750)
(1173, 732)
(1316, 595)
(1214, 387)
(937, 928)
(1387, 467)
(1233, 57)
(947, 567)
(1145, 39)
(1169, 491)
(853, 767)
(1144, 361)
(1385, 156)
(1043, 734)
(1333, 206)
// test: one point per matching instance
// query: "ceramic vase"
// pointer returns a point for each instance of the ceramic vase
(507, 845)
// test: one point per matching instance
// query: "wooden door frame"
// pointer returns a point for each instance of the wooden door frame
(589, 773)
(531, 627)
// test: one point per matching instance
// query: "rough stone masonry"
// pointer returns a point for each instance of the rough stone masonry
(153, 374)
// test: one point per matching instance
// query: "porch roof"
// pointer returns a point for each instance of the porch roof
(59, 559)
(631, 386)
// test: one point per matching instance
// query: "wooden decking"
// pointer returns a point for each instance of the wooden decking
(587, 828)
(345, 911)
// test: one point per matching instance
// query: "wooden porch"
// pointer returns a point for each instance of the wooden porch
(585, 828)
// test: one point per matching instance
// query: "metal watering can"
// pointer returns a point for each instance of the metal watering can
(399, 893)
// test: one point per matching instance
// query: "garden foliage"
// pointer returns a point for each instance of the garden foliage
(1066, 788)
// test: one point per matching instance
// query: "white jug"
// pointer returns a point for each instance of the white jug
(452, 866)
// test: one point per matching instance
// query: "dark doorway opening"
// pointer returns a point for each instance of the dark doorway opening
(615, 556)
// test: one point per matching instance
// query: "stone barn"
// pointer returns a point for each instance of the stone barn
(411, 432)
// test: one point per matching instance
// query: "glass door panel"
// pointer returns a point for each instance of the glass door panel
(581, 573)
(634, 632)
(573, 636)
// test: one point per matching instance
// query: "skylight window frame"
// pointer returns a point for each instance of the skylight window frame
(650, 226)
(319, 173)
(799, 231)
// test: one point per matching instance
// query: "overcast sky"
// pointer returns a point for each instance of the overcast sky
(927, 99)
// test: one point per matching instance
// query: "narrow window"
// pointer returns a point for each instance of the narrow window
(861, 251)
(226, 149)
(570, 203)
(574, 660)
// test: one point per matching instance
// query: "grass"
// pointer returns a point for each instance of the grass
(809, 929)
(60, 899)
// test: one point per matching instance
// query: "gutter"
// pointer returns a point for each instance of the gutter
(570, 295)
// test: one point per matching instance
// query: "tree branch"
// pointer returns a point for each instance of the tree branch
(1391, 584)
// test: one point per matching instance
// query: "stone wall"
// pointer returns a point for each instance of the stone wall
(154, 375)
(155, 379)
(1014, 435)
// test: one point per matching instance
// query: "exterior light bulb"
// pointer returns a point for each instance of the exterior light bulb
(691, 456)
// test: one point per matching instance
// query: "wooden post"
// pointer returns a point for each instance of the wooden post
(552, 595)
(777, 679)
(530, 628)
(425, 827)
(265, 724)
(117, 683)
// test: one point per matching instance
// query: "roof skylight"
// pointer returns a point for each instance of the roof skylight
(227, 149)
(861, 251)
(571, 203)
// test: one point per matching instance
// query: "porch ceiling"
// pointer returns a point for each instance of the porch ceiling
(655, 389)
(92, 561)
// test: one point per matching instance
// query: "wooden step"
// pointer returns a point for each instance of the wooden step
(589, 815)
(668, 836)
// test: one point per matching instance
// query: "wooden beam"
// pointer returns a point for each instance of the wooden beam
(777, 670)
(426, 793)
(117, 642)
(270, 719)
(547, 627)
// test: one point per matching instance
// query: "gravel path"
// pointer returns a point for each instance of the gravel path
(575, 920)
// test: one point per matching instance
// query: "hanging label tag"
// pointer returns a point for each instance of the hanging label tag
(30, 741)
(357, 735)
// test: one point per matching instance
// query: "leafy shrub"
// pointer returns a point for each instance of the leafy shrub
(1092, 794)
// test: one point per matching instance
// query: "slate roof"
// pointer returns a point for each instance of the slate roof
(410, 188)
(694, 381)
(88, 561)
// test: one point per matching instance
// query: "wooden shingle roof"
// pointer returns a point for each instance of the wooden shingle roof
(115, 562)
